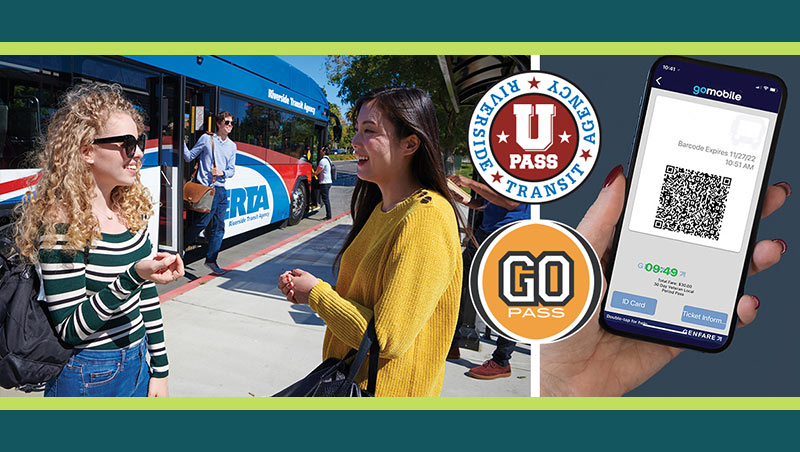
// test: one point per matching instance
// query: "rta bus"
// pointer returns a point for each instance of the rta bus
(280, 115)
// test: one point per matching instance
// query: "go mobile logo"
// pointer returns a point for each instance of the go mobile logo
(535, 281)
(713, 92)
(534, 137)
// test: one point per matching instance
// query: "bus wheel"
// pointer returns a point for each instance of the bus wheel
(299, 204)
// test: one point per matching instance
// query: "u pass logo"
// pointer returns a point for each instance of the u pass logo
(536, 282)
(534, 137)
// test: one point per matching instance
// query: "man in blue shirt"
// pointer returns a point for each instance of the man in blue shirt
(497, 212)
(216, 170)
(323, 171)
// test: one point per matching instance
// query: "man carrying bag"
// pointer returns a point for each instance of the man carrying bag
(216, 154)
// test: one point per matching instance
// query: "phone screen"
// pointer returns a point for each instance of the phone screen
(697, 175)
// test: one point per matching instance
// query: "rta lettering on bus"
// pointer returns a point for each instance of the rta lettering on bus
(245, 201)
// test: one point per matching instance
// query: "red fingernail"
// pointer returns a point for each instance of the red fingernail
(758, 302)
(786, 187)
(783, 245)
(612, 176)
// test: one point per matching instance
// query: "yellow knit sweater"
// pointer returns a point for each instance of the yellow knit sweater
(404, 267)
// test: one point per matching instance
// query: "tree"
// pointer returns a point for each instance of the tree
(347, 128)
(356, 75)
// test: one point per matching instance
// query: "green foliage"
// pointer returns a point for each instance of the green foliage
(342, 157)
(466, 171)
(347, 129)
(356, 75)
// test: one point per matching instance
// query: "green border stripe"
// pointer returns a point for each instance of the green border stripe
(403, 404)
(413, 48)
(400, 48)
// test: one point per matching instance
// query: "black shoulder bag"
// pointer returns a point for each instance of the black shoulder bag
(30, 352)
(336, 378)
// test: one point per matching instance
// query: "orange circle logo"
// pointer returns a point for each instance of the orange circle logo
(535, 281)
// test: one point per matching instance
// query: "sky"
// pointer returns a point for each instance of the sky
(314, 67)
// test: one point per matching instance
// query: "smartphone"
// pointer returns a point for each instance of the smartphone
(697, 175)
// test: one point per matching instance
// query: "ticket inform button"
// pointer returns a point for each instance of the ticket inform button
(704, 317)
(635, 303)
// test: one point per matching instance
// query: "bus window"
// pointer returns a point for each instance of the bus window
(138, 85)
(25, 124)
(3, 126)
(28, 96)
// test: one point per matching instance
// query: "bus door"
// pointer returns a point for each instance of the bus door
(171, 164)
(199, 103)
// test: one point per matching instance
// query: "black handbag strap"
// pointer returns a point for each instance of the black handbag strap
(368, 343)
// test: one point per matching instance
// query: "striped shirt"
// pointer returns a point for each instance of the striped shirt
(99, 301)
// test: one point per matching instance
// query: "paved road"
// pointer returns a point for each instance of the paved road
(236, 248)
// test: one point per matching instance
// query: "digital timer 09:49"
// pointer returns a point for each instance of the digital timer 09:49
(655, 268)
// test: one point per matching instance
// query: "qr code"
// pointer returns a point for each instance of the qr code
(692, 202)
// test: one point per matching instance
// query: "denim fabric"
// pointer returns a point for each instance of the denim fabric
(325, 191)
(104, 373)
(217, 230)
(502, 354)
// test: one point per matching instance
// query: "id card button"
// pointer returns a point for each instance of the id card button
(635, 303)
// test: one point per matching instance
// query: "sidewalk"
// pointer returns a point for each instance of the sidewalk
(237, 336)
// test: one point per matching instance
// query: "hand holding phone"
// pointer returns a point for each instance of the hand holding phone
(594, 362)
(698, 173)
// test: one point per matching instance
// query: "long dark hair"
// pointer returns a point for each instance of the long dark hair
(411, 112)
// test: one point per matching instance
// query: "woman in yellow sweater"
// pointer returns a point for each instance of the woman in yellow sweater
(401, 262)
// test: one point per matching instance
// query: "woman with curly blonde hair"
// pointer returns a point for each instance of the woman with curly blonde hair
(86, 225)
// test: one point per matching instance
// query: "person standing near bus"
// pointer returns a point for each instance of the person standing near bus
(498, 211)
(217, 169)
(86, 226)
(323, 171)
(400, 264)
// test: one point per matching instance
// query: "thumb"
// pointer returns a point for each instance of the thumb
(298, 272)
(601, 218)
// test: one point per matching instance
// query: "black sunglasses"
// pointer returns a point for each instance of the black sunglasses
(129, 143)
(228, 122)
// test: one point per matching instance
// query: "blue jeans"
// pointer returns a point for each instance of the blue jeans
(103, 373)
(502, 354)
(325, 191)
(217, 230)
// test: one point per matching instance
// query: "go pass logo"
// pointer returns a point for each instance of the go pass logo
(534, 137)
(535, 282)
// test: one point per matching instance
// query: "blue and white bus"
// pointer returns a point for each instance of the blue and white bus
(280, 115)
